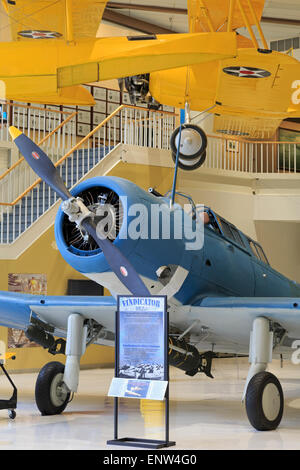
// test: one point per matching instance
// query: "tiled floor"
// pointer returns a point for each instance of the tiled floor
(204, 413)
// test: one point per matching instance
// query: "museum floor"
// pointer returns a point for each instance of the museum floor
(204, 413)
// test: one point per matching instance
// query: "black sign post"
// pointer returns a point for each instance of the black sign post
(141, 360)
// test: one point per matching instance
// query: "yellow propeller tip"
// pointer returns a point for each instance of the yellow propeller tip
(14, 132)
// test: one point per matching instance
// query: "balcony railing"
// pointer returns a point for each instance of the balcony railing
(246, 156)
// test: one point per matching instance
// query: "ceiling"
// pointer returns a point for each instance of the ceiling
(281, 18)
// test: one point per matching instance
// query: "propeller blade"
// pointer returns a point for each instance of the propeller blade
(40, 162)
(44, 168)
(119, 264)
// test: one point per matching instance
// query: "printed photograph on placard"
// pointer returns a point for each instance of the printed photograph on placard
(35, 284)
(137, 389)
(142, 340)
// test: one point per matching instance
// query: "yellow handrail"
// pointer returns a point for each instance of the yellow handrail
(9, 170)
(26, 106)
(242, 141)
(79, 144)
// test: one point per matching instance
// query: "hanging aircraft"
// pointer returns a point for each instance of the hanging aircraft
(249, 95)
(248, 88)
(54, 50)
(223, 296)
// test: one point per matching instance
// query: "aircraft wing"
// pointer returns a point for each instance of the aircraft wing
(225, 323)
(15, 310)
(216, 13)
(43, 19)
(248, 127)
(267, 77)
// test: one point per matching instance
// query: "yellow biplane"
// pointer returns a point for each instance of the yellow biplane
(54, 49)
(249, 88)
(251, 93)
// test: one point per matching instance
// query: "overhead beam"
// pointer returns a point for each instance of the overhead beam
(183, 11)
(134, 23)
(283, 21)
(154, 8)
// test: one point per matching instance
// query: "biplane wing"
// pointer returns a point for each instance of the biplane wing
(254, 93)
(45, 19)
(28, 72)
(55, 49)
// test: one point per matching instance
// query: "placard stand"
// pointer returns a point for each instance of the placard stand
(133, 441)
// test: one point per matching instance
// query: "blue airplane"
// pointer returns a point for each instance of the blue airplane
(224, 299)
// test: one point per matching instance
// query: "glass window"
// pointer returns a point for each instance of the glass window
(274, 45)
(296, 43)
(262, 254)
(237, 236)
(226, 229)
(253, 249)
(288, 44)
(210, 221)
(258, 251)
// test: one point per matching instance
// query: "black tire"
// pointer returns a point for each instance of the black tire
(264, 413)
(12, 414)
(199, 131)
(190, 167)
(49, 378)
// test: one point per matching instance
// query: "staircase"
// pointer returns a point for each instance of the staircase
(127, 124)
(42, 197)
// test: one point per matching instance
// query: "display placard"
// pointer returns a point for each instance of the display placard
(142, 338)
(141, 360)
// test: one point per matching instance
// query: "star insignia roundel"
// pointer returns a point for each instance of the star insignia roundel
(38, 34)
(246, 72)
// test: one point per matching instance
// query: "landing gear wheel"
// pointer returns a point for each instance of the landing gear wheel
(193, 143)
(264, 401)
(190, 166)
(50, 395)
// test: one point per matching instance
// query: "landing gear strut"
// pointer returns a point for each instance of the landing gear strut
(56, 382)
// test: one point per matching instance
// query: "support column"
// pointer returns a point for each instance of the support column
(75, 348)
(261, 346)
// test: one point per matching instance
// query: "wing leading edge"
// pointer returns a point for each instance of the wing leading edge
(15, 309)
(230, 319)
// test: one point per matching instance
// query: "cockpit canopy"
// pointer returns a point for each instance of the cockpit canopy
(227, 230)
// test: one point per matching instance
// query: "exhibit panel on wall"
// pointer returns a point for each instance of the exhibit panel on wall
(35, 284)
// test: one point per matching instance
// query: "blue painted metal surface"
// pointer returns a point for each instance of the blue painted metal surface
(220, 274)
(15, 308)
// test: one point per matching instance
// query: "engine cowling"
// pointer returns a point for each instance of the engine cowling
(133, 229)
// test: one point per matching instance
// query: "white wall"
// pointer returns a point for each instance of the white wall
(281, 244)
